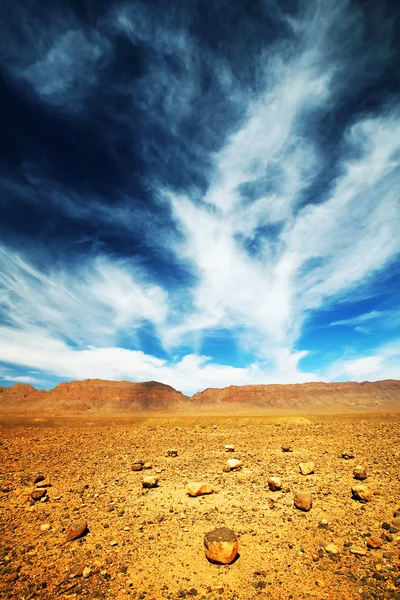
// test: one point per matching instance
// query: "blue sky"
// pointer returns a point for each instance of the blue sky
(200, 193)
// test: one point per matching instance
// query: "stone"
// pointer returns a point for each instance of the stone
(38, 479)
(77, 530)
(396, 522)
(76, 571)
(374, 543)
(306, 468)
(136, 467)
(87, 571)
(198, 489)
(358, 550)
(150, 481)
(172, 452)
(229, 448)
(275, 484)
(286, 448)
(45, 483)
(361, 492)
(360, 472)
(347, 455)
(147, 465)
(221, 546)
(233, 464)
(45, 527)
(331, 549)
(113, 543)
(38, 494)
(303, 500)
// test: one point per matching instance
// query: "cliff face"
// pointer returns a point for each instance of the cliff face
(100, 397)
(93, 396)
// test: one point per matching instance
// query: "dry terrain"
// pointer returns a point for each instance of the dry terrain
(148, 543)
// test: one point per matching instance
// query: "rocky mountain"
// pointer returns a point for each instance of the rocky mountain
(101, 397)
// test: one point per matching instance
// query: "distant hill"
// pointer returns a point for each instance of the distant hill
(101, 397)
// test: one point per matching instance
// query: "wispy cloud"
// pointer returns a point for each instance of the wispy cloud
(252, 203)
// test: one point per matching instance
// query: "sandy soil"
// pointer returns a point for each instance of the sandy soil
(148, 544)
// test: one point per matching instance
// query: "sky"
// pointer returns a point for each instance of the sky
(199, 192)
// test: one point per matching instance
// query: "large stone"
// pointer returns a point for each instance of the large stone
(77, 530)
(150, 481)
(198, 489)
(303, 500)
(233, 464)
(274, 484)
(221, 546)
(361, 492)
(38, 494)
(306, 468)
(360, 472)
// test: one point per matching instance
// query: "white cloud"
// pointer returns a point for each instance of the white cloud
(21, 379)
(382, 363)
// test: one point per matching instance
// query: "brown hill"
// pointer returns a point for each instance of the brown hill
(92, 396)
(100, 397)
(303, 396)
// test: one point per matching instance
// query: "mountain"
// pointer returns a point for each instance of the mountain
(100, 397)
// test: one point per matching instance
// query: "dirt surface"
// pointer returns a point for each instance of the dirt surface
(148, 544)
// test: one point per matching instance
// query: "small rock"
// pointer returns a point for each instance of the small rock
(287, 448)
(150, 481)
(147, 465)
(303, 500)
(360, 472)
(374, 543)
(172, 452)
(45, 527)
(136, 467)
(331, 549)
(198, 489)
(361, 492)
(113, 543)
(347, 455)
(76, 571)
(77, 530)
(396, 522)
(221, 546)
(358, 550)
(229, 448)
(233, 464)
(38, 479)
(38, 494)
(274, 484)
(306, 468)
(86, 572)
(45, 483)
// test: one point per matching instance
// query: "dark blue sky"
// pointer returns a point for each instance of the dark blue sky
(200, 192)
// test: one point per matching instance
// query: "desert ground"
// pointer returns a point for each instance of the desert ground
(148, 543)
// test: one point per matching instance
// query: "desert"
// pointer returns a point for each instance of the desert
(108, 506)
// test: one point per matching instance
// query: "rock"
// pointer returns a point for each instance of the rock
(45, 483)
(221, 546)
(274, 484)
(136, 467)
(306, 468)
(172, 452)
(86, 572)
(374, 543)
(229, 448)
(77, 530)
(396, 522)
(331, 549)
(76, 571)
(45, 527)
(150, 481)
(113, 543)
(361, 492)
(358, 550)
(198, 489)
(147, 465)
(287, 448)
(233, 464)
(38, 479)
(347, 455)
(303, 500)
(360, 472)
(38, 494)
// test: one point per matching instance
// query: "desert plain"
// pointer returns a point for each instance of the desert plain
(148, 543)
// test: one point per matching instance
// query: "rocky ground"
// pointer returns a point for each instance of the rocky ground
(148, 543)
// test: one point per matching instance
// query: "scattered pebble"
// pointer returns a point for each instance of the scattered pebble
(361, 492)
(303, 500)
(198, 489)
(275, 484)
(306, 468)
(221, 546)
(150, 481)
